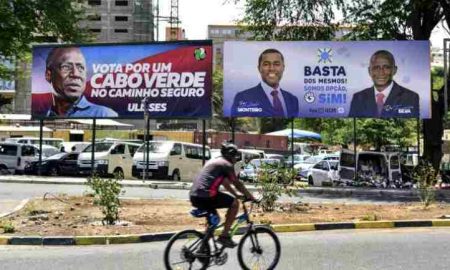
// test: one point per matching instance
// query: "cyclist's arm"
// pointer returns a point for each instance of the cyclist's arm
(240, 187)
(229, 188)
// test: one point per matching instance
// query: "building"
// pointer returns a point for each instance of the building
(120, 20)
(221, 33)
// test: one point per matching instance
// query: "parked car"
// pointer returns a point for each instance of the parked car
(76, 147)
(110, 157)
(15, 156)
(298, 158)
(59, 164)
(375, 169)
(48, 150)
(250, 171)
(170, 160)
(324, 171)
(276, 156)
(304, 167)
(55, 142)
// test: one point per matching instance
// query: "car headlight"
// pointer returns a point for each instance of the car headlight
(101, 162)
(163, 163)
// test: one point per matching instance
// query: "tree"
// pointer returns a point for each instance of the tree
(402, 20)
(25, 22)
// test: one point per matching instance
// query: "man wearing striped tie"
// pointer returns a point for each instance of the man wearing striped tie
(267, 99)
(385, 98)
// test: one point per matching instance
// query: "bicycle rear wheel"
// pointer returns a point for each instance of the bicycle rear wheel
(185, 250)
(259, 249)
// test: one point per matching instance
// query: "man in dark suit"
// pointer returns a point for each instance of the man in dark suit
(267, 99)
(386, 98)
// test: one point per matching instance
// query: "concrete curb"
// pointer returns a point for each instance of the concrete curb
(145, 238)
(17, 208)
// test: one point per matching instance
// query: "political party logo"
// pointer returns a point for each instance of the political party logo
(325, 55)
(200, 54)
(309, 97)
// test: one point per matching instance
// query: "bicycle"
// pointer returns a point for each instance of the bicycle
(197, 250)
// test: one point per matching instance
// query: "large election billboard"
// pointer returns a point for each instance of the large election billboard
(364, 79)
(112, 80)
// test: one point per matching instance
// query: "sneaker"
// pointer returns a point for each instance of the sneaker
(226, 241)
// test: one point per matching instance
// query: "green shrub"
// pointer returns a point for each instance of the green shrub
(424, 175)
(106, 195)
(8, 226)
(272, 182)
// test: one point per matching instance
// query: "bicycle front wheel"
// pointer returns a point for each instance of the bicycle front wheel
(186, 250)
(259, 249)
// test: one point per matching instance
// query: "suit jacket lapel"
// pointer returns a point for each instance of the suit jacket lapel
(264, 100)
(371, 104)
(393, 95)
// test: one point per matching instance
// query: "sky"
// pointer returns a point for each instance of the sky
(196, 15)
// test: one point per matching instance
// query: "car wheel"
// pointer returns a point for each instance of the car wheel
(53, 171)
(310, 181)
(176, 176)
(118, 173)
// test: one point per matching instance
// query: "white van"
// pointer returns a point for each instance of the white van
(15, 156)
(375, 168)
(170, 160)
(55, 142)
(109, 158)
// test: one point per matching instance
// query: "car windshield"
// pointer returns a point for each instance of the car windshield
(257, 162)
(99, 147)
(334, 165)
(56, 156)
(313, 159)
(156, 147)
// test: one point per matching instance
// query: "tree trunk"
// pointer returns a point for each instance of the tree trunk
(432, 132)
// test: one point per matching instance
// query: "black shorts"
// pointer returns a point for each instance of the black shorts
(221, 200)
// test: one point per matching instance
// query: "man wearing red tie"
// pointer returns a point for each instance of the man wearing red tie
(386, 98)
(267, 99)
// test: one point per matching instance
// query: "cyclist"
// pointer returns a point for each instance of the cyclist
(205, 192)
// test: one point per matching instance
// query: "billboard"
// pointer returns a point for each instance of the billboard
(112, 80)
(325, 79)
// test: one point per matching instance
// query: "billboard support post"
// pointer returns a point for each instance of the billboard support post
(354, 147)
(41, 127)
(292, 142)
(204, 141)
(418, 136)
(232, 130)
(446, 61)
(146, 138)
(93, 147)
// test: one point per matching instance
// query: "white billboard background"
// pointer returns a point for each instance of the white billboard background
(412, 59)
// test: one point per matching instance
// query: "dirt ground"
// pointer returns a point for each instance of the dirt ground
(69, 216)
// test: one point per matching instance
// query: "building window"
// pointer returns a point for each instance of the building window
(95, 2)
(121, 3)
(94, 17)
(95, 30)
(121, 18)
(120, 30)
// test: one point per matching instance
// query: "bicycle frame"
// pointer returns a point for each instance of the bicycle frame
(209, 234)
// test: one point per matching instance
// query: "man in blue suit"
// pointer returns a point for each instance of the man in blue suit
(267, 99)
(386, 98)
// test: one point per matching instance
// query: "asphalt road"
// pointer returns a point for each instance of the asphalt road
(411, 249)
(20, 191)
